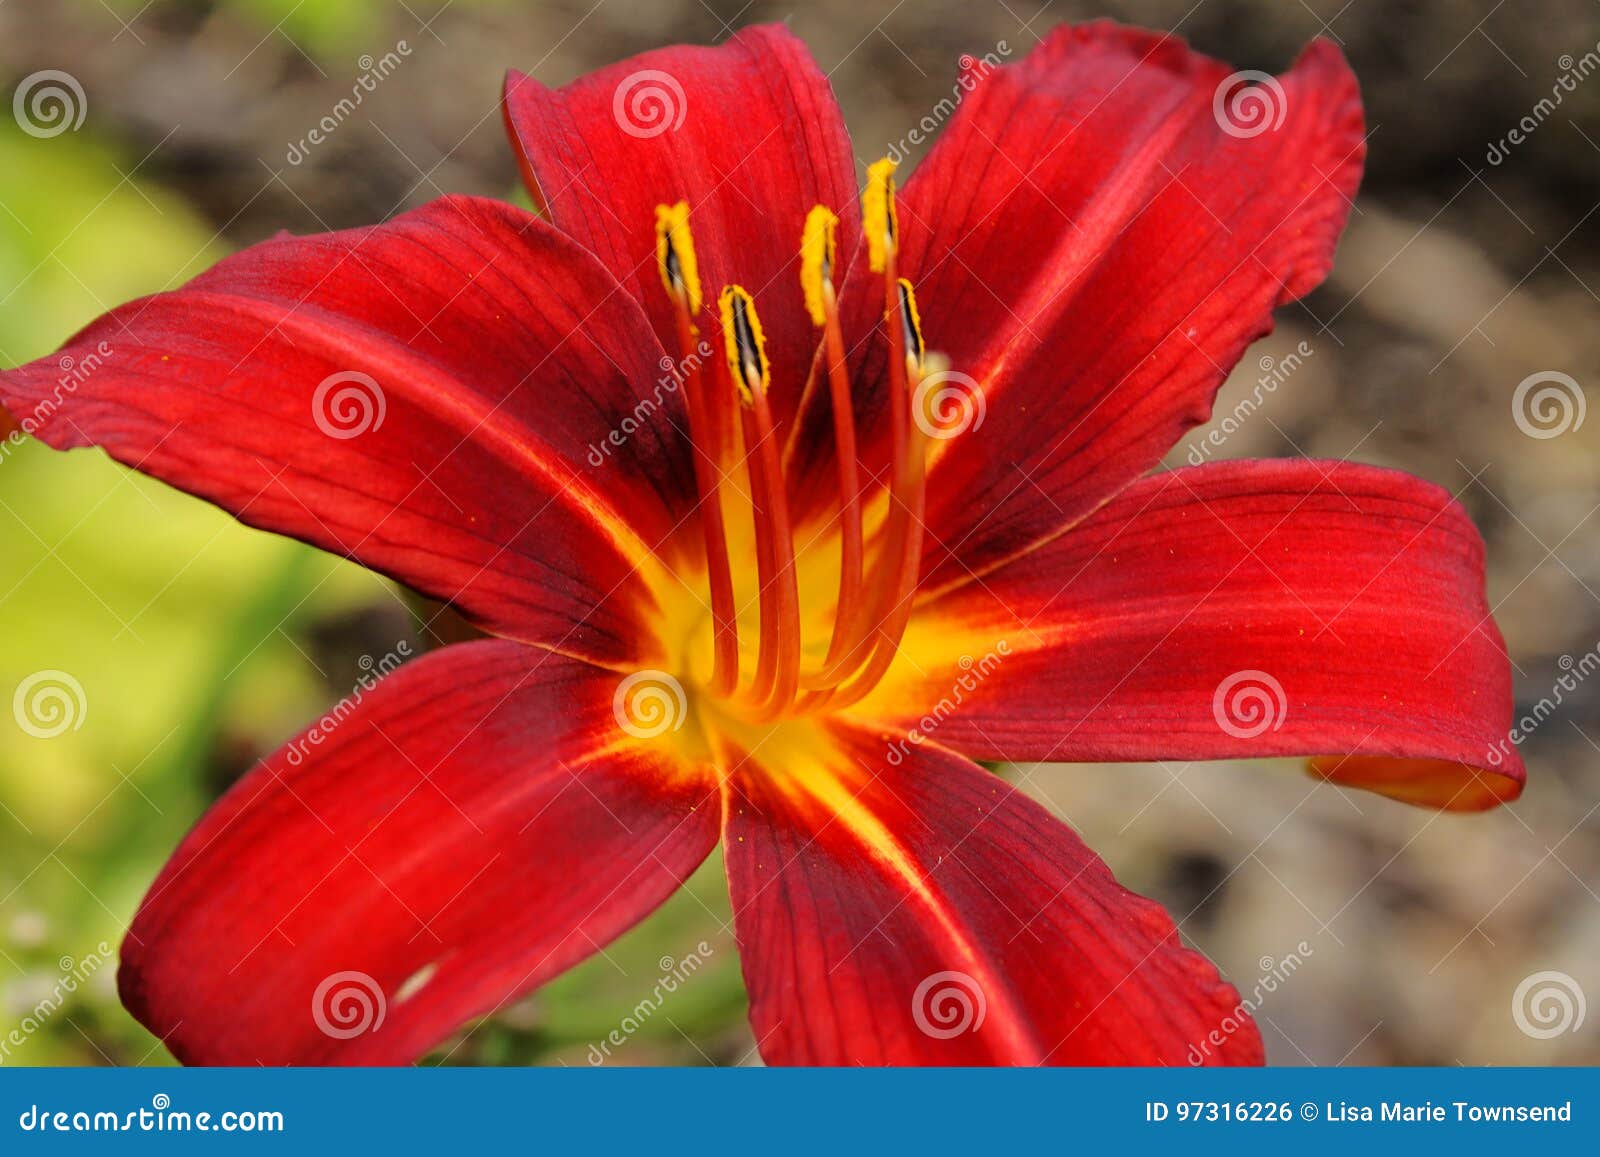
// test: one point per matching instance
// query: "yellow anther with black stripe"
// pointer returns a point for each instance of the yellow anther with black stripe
(879, 218)
(818, 249)
(743, 343)
(911, 324)
(680, 273)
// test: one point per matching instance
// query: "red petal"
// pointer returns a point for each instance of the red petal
(898, 905)
(1091, 246)
(500, 352)
(748, 133)
(1239, 609)
(469, 830)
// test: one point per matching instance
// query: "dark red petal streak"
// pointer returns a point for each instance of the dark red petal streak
(473, 828)
(1092, 247)
(1164, 626)
(499, 353)
(871, 895)
(748, 133)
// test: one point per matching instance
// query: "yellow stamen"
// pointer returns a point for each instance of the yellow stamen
(876, 586)
(911, 325)
(879, 217)
(680, 274)
(778, 654)
(743, 343)
(818, 247)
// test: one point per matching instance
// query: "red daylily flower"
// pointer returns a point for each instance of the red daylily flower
(785, 595)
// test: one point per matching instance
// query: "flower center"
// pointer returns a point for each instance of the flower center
(776, 650)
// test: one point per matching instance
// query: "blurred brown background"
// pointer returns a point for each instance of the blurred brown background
(1470, 264)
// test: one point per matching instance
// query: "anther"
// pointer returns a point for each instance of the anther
(911, 324)
(818, 248)
(744, 344)
(675, 260)
(880, 219)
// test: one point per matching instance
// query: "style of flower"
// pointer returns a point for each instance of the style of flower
(757, 620)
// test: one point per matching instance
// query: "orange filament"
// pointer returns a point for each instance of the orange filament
(816, 278)
(894, 577)
(785, 635)
(778, 658)
(874, 596)
(680, 276)
(724, 616)
(902, 556)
